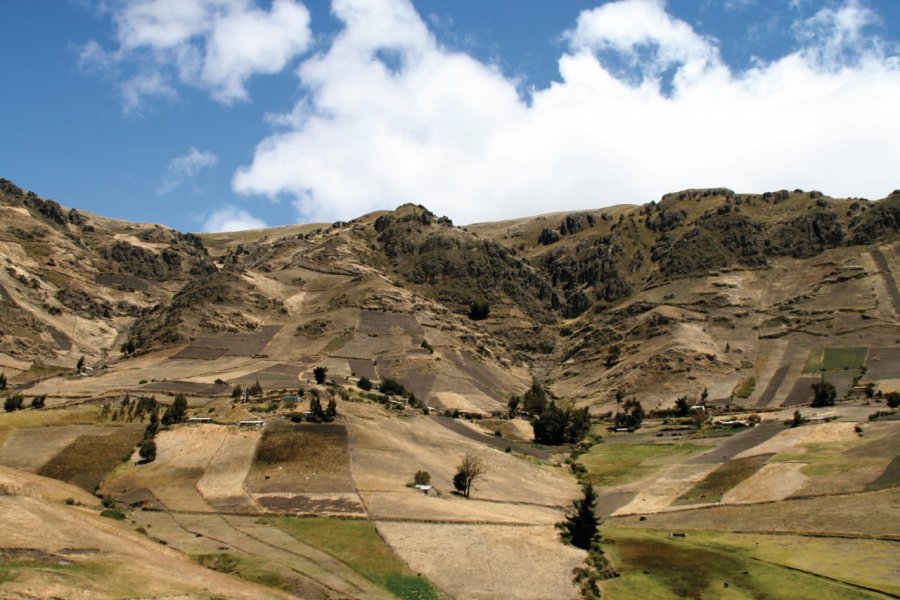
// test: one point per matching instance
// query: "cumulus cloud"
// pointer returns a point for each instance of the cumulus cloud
(182, 168)
(644, 105)
(231, 218)
(215, 45)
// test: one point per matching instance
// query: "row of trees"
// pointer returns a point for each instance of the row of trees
(17, 402)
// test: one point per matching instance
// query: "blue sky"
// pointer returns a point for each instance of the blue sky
(216, 114)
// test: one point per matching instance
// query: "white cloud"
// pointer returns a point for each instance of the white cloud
(215, 45)
(182, 168)
(231, 218)
(439, 128)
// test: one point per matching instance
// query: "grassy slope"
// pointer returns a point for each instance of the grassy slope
(358, 544)
(654, 566)
(613, 464)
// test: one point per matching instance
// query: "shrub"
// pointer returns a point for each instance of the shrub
(893, 399)
(427, 347)
(147, 450)
(3, 381)
(479, 310)
(364, 383)
(13, 402)
(825, 394)
(422, 478)
(38, 401)
(392, 387)
(113, 513)
(70, 501)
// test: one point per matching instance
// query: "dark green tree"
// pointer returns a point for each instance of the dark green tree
(797, 420)
(255, 390)
(479, 310)
(632, 415)
(513, 406)
(824, 394)
(580, 527)
(13, 402)
(682, 407)
(80, 364)
(39, 401)
(422, 478)
(3, 381)
(177, 412)
(364, 383)
(330, 411)
(535, 401)
(237, 392)
(317, 415)
(392, 387)
(892, 399)
(319, 373)
(153, 425)
(147, 450)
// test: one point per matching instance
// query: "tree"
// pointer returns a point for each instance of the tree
(153, 425)
(632, 415)
(237, 392)
(479, 310)
(177, 412)
(513, 406)
(39, 401)
(797, 421)
(704, 396)
(893, 399)
(422, 478)
(319, 373)
(556, 426)
(3, 381)
(824, 394)
(255, 390)
(870, 390)
(13, 402)
(535, 401)
(580, 527)
(469, 469)
(682, 406)
(331, 410)
(364, 383)
(392, 387)
(147, 450)
(315, 408)
(80, 364)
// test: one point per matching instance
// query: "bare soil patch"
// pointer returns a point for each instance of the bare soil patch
(183, 455)
(222, 483)
(883, 363)
(230, 344)
(382, 323)
(775, 481)
(187, 387)
(772, 388)
(809, 434)
(88, 459)
(361, 367)
(481, 561)
(802, 392)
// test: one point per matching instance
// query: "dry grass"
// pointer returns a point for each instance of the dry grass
(301, 458)
(86, 461)
(488, 561)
